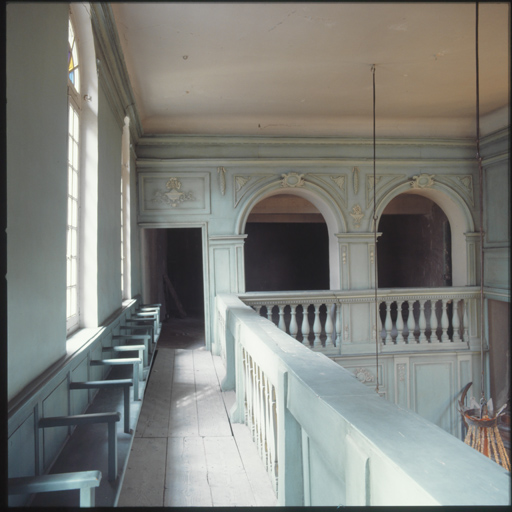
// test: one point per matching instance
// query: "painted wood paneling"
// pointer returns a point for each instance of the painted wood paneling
(432, 399)
(55, 404)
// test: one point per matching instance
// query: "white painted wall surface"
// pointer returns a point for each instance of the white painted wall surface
(36, 61)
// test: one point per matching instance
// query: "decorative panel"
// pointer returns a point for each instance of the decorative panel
(21, 458)
(79, 397)
(496, 270)
(222, 269)
(174, 193)
(432, 392)
(402, 397)
(55, 404)
(497, 202)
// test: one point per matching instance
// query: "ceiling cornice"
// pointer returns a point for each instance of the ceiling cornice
(112, 70)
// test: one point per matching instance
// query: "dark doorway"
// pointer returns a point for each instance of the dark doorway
(286, 256)
(185, 272)
(414, 249)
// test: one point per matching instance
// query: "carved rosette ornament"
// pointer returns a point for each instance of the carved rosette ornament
(174, 197)
(292, 180)
(422, 181)
(363, 375)
(357, 214)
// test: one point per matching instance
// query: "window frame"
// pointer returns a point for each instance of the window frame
(74, 187)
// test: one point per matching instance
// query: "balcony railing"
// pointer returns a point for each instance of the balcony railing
(327, 439)
(418, 318)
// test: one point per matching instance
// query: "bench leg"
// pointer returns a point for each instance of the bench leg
(112, 451)
(146, 348)
(141, 365)
(127, 409)
(87, 497)
(136, 381)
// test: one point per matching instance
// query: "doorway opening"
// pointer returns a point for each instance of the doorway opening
(173, 277)
(414, 249)
(184, 272)
(287, 246)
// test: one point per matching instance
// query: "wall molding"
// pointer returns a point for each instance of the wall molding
(112, 70)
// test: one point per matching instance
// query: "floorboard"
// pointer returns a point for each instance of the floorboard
(143, 485)
(226, 475)
(187, 483)
(184, 425)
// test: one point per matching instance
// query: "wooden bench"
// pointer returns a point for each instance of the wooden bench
(150, 309)
(135, 362)
(131, 337)
(85, 481)
(111, 418)
(130, 348)
(144, 322)
(105, 384)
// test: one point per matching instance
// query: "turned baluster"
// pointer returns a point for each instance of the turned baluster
(433, 322)
(338, 325)
(422, 322)
(456, 321)
(305, 325)
(444, 322)
(329, 327)
(317, 326)
(388, 324)
(281, 324)
(269, 311)
(293, 321)
(399, 323)
(410, 323)
(465, 321)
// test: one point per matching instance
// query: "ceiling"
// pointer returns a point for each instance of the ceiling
(304, 69)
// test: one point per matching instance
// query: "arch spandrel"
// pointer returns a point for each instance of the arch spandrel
(319, 197)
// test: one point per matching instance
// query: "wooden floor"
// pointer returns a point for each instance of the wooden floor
(186, 452)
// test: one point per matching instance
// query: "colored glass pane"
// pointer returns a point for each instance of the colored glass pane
(72, 58)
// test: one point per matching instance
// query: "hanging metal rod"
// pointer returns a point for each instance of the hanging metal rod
(481, 202)
(377, 334)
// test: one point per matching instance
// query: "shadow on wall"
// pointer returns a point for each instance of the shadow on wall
(286, 256)
(414, 250)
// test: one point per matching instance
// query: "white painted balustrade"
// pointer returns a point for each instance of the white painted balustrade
(322, 320)
(329, 440)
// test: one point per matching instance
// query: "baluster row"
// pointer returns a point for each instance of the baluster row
(305, 321)
(261, 413)
(424, 326)
(319, 325)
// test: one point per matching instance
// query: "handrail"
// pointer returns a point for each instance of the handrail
(326, 320)
(337, 442)
(85, 481)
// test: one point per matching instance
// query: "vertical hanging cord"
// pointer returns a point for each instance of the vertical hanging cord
(481, 199)
(377, 334)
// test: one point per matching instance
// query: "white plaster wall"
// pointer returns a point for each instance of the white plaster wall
(109, 211)
(36, 188)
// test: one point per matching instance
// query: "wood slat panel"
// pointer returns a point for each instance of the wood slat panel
(143, 485)
(183, 420)
(226, 475)
(154, 416)
(211, 414)
(186, 482)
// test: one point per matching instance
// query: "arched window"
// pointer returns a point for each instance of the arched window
(73, 224)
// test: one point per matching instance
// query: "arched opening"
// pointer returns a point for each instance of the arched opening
(414, 249)
(287, 247)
